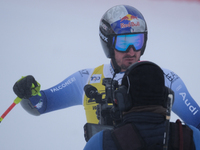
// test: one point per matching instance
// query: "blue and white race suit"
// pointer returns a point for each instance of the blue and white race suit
(70, 92)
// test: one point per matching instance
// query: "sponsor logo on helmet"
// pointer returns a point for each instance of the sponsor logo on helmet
(128, 17)
(103, 26)
(129, 21)
(103, 37)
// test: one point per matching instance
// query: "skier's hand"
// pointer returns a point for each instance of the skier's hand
(26, 87)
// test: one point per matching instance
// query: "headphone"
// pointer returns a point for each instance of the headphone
(122, 98)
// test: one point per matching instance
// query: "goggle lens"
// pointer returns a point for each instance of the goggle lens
(122, 42)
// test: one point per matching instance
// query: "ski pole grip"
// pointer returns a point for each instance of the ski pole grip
(17, 100)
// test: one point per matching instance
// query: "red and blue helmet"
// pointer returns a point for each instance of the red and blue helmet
(120, 23)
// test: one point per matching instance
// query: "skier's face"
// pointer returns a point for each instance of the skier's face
(124, 60)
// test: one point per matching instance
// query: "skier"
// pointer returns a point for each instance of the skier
(123, 35)
(145, 102)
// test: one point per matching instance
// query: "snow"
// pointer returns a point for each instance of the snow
(51, 39)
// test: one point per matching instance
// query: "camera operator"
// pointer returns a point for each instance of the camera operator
(146, 105)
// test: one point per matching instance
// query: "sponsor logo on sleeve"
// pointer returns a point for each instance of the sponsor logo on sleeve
(63, 85)
(39, 104)
(84, 72)
(192, 109)
(172, 77)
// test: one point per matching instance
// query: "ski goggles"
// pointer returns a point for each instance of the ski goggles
(122, 42)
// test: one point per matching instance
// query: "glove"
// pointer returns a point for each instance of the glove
(26, 87)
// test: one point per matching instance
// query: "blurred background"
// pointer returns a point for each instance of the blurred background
(51, 39)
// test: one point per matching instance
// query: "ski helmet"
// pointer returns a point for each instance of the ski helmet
(120, 20)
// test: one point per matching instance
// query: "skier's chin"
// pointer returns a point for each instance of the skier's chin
(125, 66)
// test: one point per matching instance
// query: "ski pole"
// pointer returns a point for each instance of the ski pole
(16, 101)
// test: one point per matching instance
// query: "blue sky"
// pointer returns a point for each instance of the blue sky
(51, 39)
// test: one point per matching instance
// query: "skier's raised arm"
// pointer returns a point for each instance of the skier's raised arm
(67, 93)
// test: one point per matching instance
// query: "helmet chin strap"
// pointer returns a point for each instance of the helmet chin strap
(116, 67)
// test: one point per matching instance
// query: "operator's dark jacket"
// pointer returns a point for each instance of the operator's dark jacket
(143, 128)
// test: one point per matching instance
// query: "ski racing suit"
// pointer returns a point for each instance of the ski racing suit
(70, 92)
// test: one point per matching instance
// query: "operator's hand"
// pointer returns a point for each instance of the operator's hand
(26, 87)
